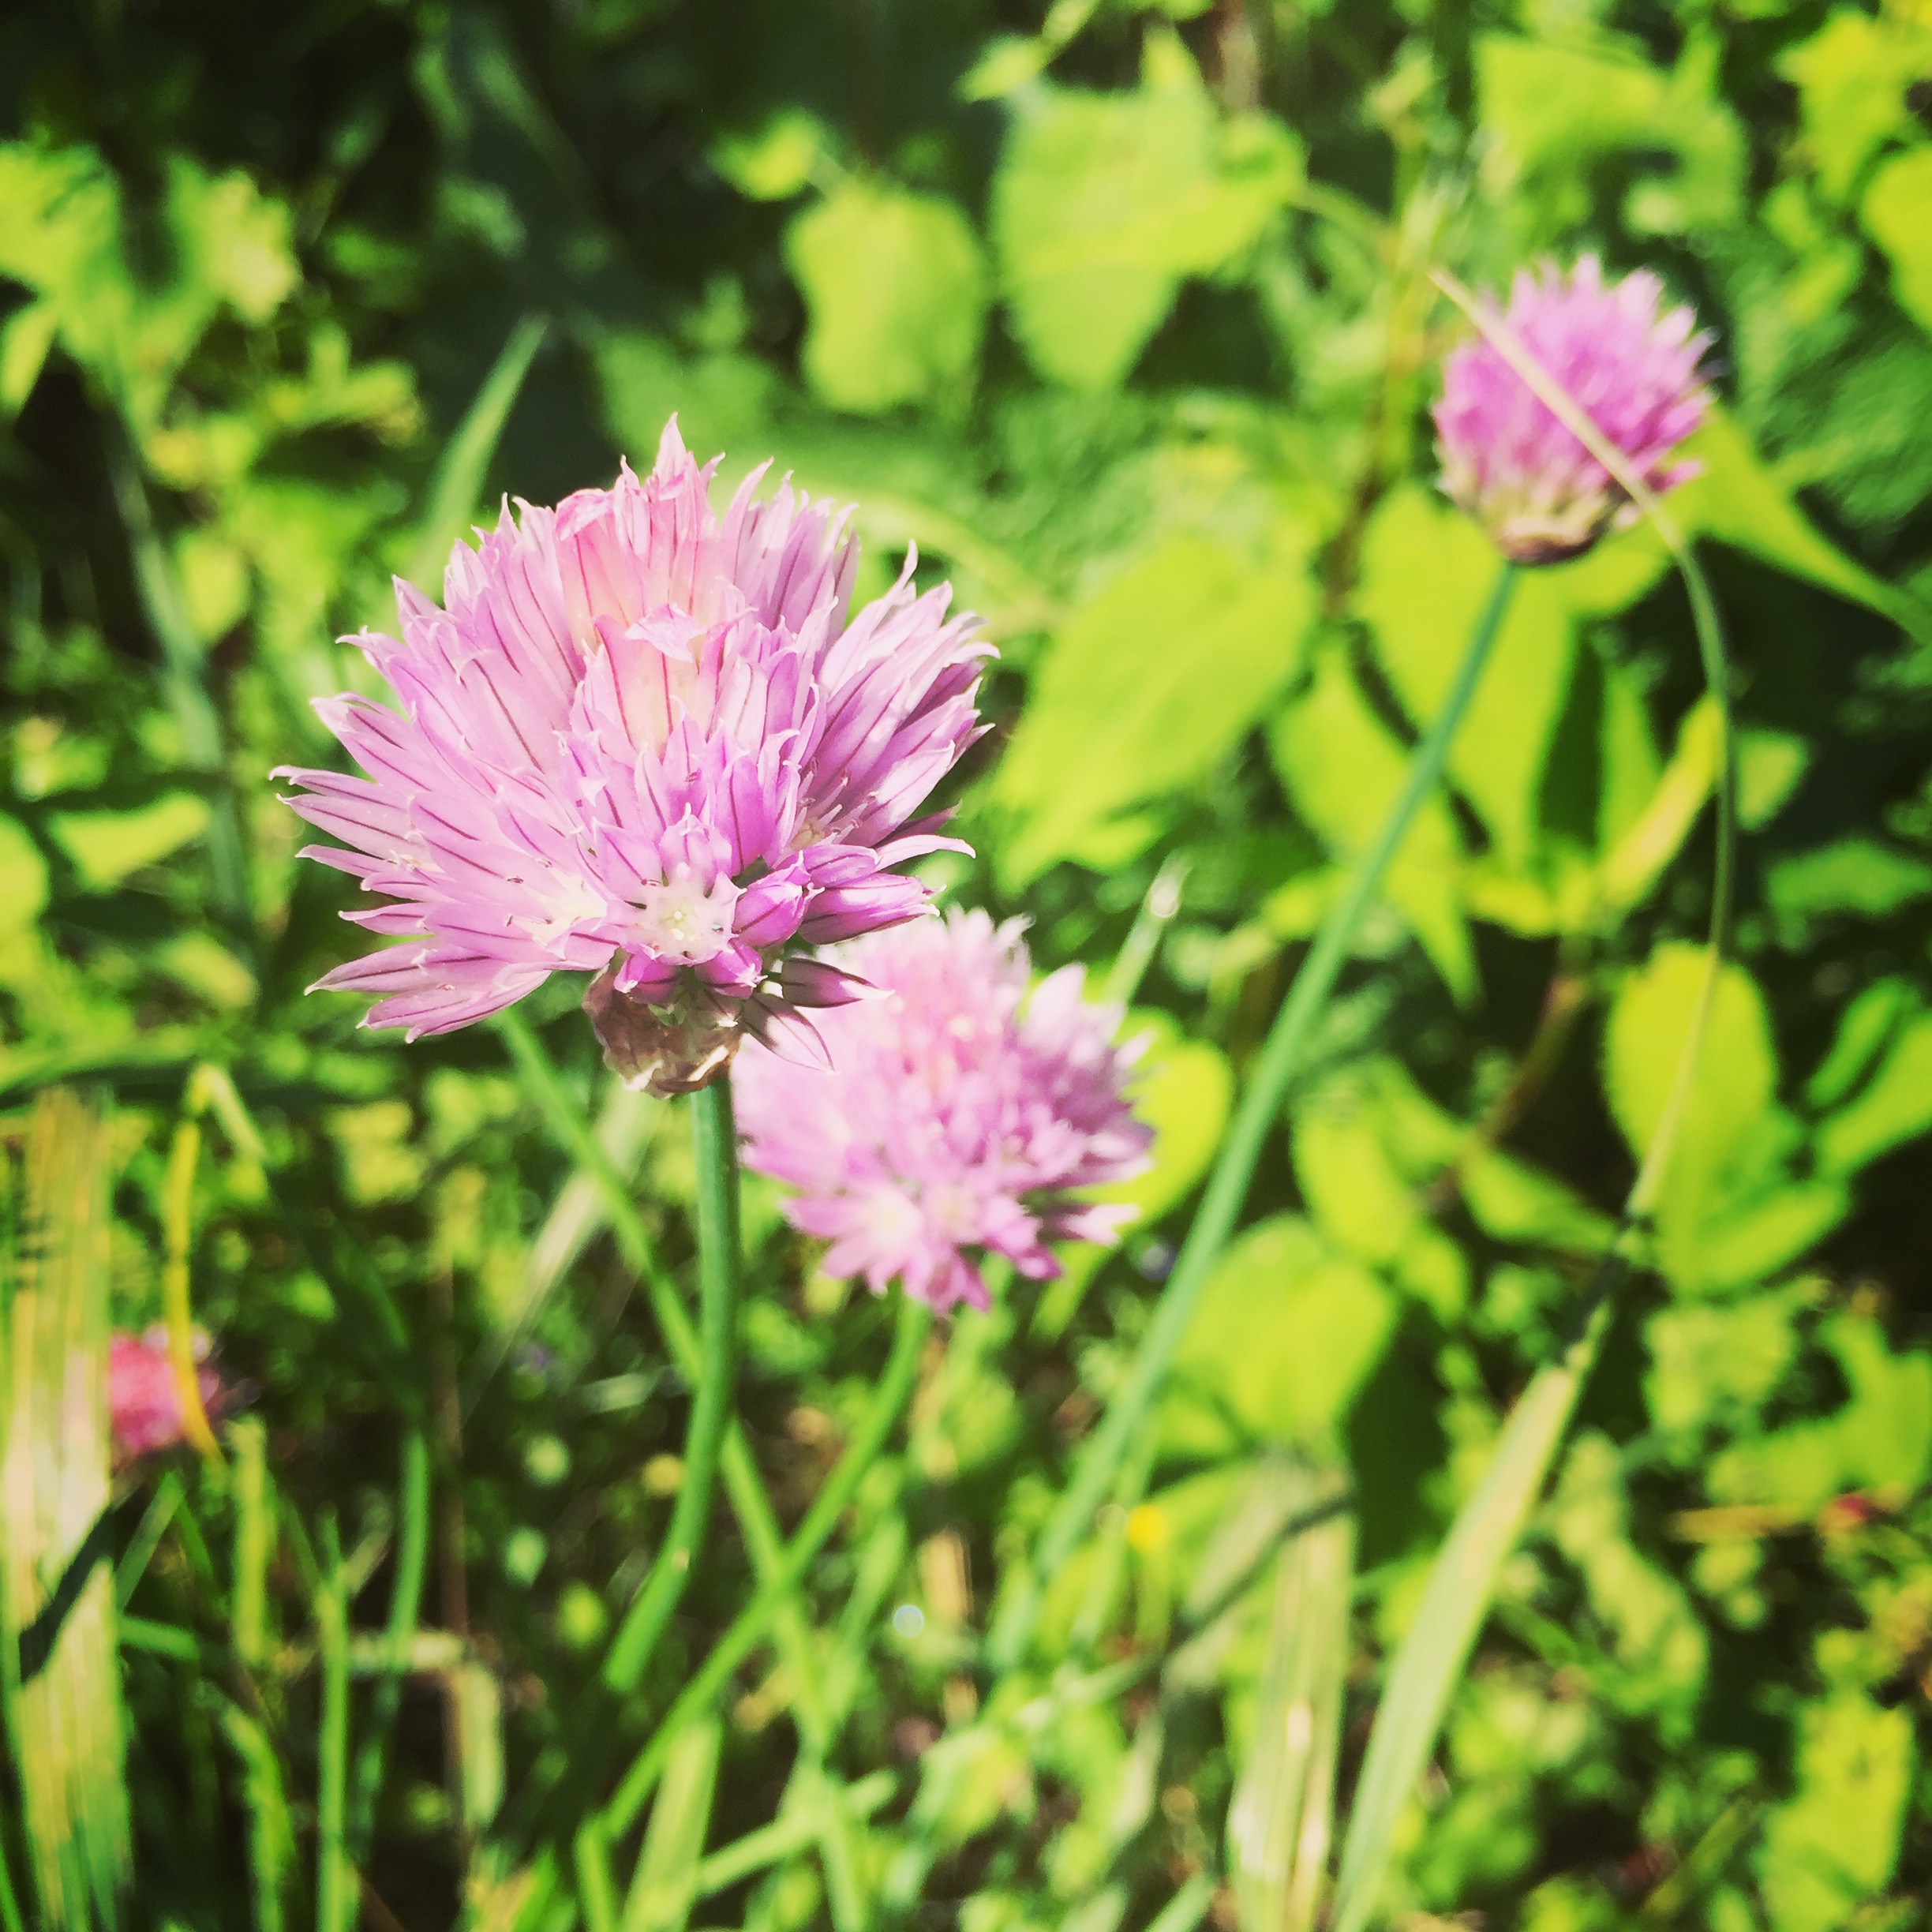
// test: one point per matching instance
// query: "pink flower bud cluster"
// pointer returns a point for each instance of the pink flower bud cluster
(1630, 367)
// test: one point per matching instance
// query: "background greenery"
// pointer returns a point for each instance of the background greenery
(1123, 316)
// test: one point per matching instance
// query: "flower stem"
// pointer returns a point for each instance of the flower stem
(775, 1589)
(1227, 1186)
(716, 1141)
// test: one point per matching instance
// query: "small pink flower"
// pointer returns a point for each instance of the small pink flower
(639, 743)
(960, 1114)
(144, 1397)
(1510, 464)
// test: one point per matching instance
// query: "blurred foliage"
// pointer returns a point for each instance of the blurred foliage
(1120, 313)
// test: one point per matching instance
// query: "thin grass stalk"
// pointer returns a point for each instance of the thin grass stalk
(335, 1895)
(405, 1605)
(716, 1141)
(1227, 1185)
(749, 1627)
(1455, 1603)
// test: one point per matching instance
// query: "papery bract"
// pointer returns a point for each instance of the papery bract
(1633, 370)
(642, 743)
(959, 1116)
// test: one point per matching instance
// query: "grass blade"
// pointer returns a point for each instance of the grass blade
(335, 1893)
(458, 483)
(270, 1832)
(1429, 1663)
(66, 1724)
(664, 1887)
(1283, 1807)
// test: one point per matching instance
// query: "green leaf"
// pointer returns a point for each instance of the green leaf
(1554, 111)
(1735, 498)
(1836, 1842)
(1141, 693)
(1656, 1641)
(1712, 1365)
(1719, 1146)
(1344, 769)
(1894, 211)
(106, 846)
(1864, 1029)
(1104, 203)
(1284, 1335)
(1880, 1440)
(778, 160)
(1856, 875)
(1426, 570)
(1852, 76)
(23, 877)
(895, 291)
(1893, 1106)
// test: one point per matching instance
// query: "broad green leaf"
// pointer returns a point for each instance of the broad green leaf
(1344, 769)
(1719, 1146)
(1141, 693)
(106, 846)
(1736, 500)
(1897, 214)
(1426, 570)
(1836, 1842)
(1554, 112)
(1510, 1200)
(23, 877)
(1104, 203)
(1856, 875)
(1286, 1333)
(1880, 1440)
(1633, 866)
(895, 292)
(1770, 766)
(1893, 1106)
(1365, 1205)
(1852, 75)
(778, 160)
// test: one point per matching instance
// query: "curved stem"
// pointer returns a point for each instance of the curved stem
(830, 1503)
(716, 1141)
(1227, 1186)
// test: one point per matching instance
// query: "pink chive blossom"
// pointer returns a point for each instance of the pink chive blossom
(959, 1115)
(1630, 367)
(144, 1397)
(640, 742)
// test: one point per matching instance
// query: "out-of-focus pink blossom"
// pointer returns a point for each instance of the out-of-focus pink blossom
(143, 1397)
(1632, 368)
(959, 1115)
(643, 743)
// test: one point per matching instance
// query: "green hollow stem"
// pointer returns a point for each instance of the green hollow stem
(1227, 1185)
(764, 1541)
(715, 1139)
(746, 1630)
